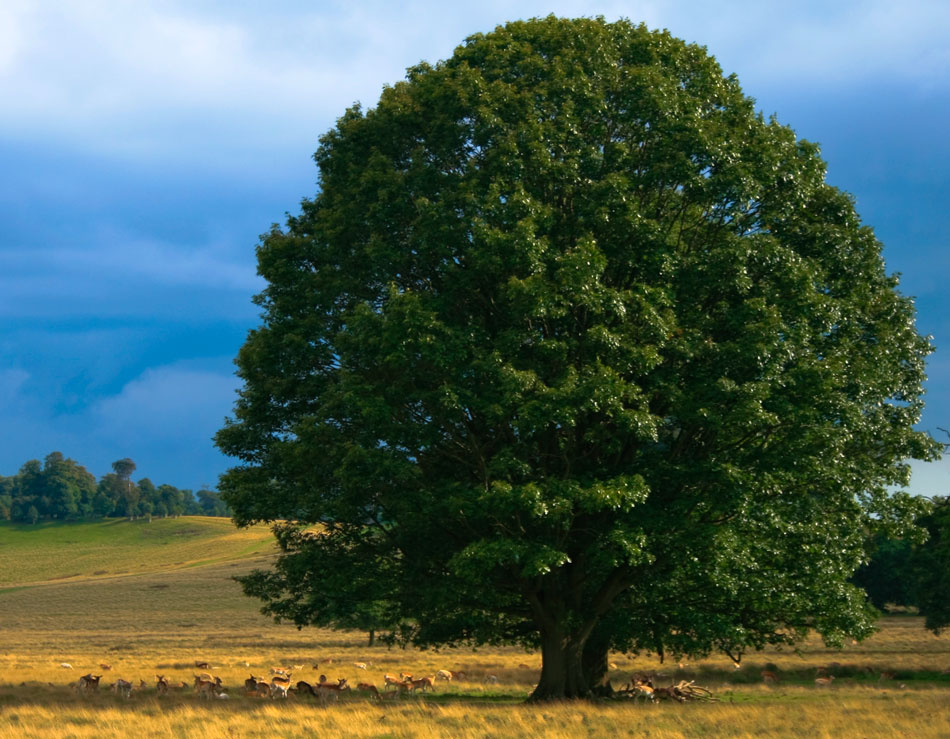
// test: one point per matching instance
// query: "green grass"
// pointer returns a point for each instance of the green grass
(168, 598)
(56, 552)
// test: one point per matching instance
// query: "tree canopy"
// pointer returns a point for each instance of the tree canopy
(60, 488)
(574, 349)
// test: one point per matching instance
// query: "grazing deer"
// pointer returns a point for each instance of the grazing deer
(305, 688)
(887, 675)
(824, 682)
(368, 688)
(423, 683)
(444, 675)
(458, 674)
(89, 683)
(123, 688)
(769, 677)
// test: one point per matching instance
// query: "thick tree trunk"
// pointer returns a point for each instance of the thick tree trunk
(562, 668)
(372, 637)
(596, 666)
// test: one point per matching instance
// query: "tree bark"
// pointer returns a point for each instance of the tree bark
(562, 668)
(372, 637)
(595, 664)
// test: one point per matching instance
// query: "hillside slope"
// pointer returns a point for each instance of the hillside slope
(72, 552)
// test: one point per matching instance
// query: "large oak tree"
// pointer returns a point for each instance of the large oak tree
(574, 349)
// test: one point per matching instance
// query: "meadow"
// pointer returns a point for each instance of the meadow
(154, 598)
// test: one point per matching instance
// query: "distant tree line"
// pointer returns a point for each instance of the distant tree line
(903, 572)
(59, 488)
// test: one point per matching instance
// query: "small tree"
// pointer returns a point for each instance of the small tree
(575, 350)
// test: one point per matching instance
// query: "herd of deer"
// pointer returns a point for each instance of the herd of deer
(280, 685)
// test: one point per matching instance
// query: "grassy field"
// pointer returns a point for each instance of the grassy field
(169, 602)
(112, 548)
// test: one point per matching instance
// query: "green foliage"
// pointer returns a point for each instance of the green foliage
(885, 578)
(62, 489)
(929, 568)
(573, 348)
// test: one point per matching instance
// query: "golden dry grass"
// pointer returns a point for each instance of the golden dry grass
(162, 621)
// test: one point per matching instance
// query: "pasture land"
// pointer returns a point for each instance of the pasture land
(158, 614)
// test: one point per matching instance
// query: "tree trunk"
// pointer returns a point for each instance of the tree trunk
(562, 668)
(372, 637)
(596, 666)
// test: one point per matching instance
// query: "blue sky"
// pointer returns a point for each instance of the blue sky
(144, 146)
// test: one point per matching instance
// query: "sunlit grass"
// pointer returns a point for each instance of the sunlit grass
(71, 552)
(161, 622)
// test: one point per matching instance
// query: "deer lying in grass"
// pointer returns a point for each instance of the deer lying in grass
(824, 682)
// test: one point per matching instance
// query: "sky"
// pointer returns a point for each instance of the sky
(145, 146)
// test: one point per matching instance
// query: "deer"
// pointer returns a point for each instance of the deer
(161, 685)
(824, 682)
(122, 687)
(89, 683)
(304, 687)
(643, 689)
(369, 688)
(391, 683)
(423, 683)
(769, 677)
(331, 691)
(279, 687)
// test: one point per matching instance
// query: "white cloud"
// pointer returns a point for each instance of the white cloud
(153, 79)
(174, 404)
